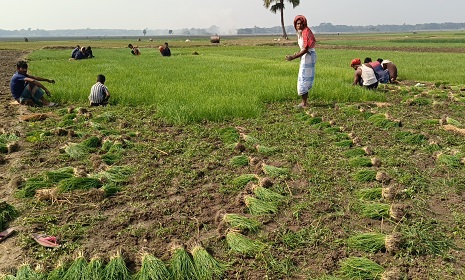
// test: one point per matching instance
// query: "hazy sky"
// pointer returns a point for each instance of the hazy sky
(226, 14)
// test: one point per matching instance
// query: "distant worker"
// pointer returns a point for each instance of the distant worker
(134, 49)
(364, 74)
(164, 50)
(99, 93)
(27, 89)
(88, 53)
(391, 67)
(81, 54)
(381, 74)
(75, 51)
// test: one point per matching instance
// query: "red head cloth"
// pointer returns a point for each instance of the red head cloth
(307, 34)
(355, 61)
(302, 18)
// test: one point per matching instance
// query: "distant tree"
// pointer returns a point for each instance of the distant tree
(144, 31)
(278, 5)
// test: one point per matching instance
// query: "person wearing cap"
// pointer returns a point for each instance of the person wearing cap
(27, 89)
(307, 55)
(364, 74)
(391, 68)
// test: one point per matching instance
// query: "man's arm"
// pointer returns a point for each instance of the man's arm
(357, 76)
(35, 81)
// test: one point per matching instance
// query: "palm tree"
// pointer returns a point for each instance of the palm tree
(279, 6)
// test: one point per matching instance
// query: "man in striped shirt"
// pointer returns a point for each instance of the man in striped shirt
(99, 93)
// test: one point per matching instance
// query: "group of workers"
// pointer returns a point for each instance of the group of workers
(371, 73)
(164, 49)
(81, 53)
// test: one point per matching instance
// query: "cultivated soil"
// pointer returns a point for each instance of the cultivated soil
(181, 184)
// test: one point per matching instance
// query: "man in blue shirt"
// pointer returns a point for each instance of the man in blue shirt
(27, 89)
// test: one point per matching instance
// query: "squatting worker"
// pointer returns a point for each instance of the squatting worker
(364, 74)
(27, 89)
(307, 54)
(99, 93)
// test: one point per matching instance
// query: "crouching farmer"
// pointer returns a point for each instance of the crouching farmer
(27, 89)
(99, 93)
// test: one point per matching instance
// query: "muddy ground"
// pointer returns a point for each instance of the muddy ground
(185, 210)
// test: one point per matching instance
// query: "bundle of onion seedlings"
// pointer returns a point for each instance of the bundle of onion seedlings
(380, 120)
(182, 265)
(116, 268)
(242, 244)
(367, 242)
(58, 175)
(259, 207)
(365, 175)
(92, 142)
(355, 152)
(344, 143)
(241, 223)
(58, 272)
(453, 161)
(360, 162)
(267, 194)
(94, 269)
(248, 138)
(241, 160)
(243, 180)
(274, 171)
(26, 272)
(152, 269)
(78, 183)
(7, 213)
(375, 210)
(77, 268)
(206, 266)
(370, 194)
(117, 174)
(360, 268)
(268, 151)
(31, 185)
(76, 151)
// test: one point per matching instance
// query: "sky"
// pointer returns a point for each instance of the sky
(228, 15)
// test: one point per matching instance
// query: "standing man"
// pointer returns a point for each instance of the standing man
(307, 55)
(27, 89)
(99, 93)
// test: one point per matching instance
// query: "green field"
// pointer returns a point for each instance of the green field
(201, 167)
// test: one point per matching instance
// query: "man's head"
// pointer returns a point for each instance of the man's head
(367, 60)
(355, 63)
(130, 46)
(300, 22)
(379, 60)
(166, 44)
(101, 78)
(21, 66)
